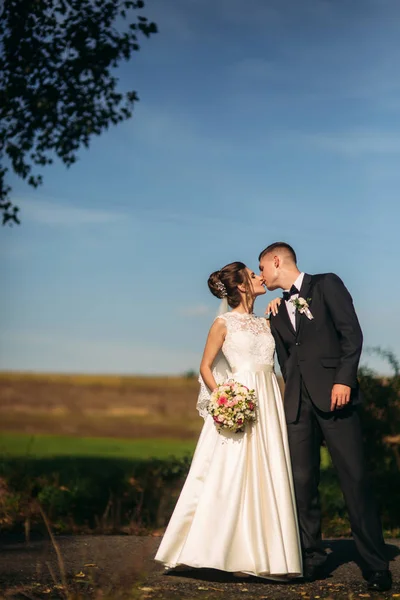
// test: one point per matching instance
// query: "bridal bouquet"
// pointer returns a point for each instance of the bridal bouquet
(232, 405)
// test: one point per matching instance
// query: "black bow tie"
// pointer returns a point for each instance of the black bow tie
(292, 292)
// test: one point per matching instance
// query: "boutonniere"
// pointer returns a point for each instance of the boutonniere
(302, 306)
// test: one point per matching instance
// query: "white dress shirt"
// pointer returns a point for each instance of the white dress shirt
(289, 305)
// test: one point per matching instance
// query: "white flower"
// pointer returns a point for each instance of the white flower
(302, 306)
(235, 417)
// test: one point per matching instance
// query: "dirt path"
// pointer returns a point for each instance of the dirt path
(123, 567)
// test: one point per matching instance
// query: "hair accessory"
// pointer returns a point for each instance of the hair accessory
(221, 288)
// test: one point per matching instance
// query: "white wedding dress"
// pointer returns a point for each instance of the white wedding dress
(237, 511)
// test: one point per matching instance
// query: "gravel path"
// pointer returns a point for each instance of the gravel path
(123, 567)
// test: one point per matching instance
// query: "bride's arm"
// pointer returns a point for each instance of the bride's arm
(213, 345)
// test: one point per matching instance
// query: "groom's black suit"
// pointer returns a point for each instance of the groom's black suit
(313, 357)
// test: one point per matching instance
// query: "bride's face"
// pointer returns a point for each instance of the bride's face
(256, 283)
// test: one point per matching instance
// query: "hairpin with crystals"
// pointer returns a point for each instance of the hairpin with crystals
(221, 288)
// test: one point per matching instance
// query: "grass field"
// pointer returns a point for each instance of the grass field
(47, 415)
(47, 446)
(99, 406)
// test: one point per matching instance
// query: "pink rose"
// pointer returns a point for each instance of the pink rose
(222, 400)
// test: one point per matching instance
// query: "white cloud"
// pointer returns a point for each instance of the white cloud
(351, 143)
(254, 13)
(172, 21)
(14, 249)
(171, 132)
(257, 69)
(45, 352)
(55, 213)
(198, 310)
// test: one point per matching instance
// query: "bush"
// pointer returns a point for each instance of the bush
(92, 495)
(380, 416)
(381, 427)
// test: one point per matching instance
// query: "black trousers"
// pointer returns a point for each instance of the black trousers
(342, 433)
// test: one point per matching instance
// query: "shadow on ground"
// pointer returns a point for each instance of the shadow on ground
(119, 564)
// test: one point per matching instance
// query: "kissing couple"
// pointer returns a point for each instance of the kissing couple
(250, 503)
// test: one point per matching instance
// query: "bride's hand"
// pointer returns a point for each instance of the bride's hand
(273, 306)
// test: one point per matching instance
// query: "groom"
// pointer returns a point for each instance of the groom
(318, 343)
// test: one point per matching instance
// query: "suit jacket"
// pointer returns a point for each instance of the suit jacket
(322, 351)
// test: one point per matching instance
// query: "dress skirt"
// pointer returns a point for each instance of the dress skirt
(237, 510)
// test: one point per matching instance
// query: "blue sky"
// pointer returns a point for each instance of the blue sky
(275, 122)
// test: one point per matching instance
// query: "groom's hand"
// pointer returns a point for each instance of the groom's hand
(340, 396)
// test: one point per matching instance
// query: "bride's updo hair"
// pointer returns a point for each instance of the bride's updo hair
(224, 283)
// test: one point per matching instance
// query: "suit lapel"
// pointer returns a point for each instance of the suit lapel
(297, 320)
(304, 293)
(284, 316)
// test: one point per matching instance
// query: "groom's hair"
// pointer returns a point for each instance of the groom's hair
(279, 246)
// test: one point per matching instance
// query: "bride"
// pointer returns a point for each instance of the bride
(236, 511)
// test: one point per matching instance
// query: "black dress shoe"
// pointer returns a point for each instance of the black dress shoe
(380, 581)
(313, 572)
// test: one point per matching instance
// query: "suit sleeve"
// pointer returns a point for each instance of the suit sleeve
(281, 350)
(340, 305)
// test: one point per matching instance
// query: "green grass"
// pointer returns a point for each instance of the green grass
(325, 458)
(45, 446)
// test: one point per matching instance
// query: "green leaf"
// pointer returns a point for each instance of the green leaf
(73, 46)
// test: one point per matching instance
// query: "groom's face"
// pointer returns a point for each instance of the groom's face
(269, 271)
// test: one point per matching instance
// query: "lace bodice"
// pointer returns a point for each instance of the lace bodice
(248, 339)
